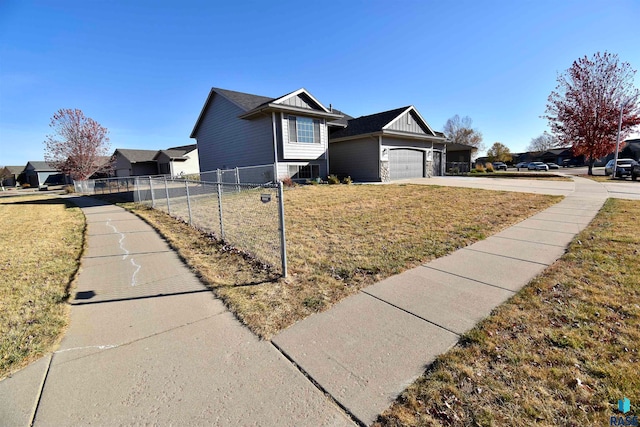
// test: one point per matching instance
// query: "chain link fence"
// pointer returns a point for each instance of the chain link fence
(262, 174)
(249, 217)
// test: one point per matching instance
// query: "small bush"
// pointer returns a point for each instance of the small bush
(26, 185)
(332, 179)
(312, 182)
(288, 182)
(489, 167)
(473, 171)
(68, 189)
(479, 167)
(347, 180)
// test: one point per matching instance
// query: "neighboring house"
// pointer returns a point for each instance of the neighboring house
(394, 144)
(178, 161)
(37, 173)
(135, 162)
(238, 129)
(10, 175)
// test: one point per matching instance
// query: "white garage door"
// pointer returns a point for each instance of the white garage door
(406, 163)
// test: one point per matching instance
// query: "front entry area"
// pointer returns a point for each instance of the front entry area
(406, 163)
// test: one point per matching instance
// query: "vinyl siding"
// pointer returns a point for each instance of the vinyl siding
(301, 150)
(407, 123)
(299, 101)
(226, 141)
(357, 158)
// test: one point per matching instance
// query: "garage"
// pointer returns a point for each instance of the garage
(406, 163)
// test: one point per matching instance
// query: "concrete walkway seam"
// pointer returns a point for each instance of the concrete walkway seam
(317, 385)
(40, 389)
(409, 312)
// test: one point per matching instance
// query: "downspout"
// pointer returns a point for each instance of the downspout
(326, 151)
(275, 146)
(379, 157)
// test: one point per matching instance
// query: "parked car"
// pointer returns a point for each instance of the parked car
(522, 165)
(623, 169)
(635, 171)
(499, 166)
(537, 166)
(553, 166)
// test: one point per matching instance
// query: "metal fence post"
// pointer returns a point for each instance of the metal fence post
(218, 176)
(186, 187)
(166, 190)
(153, 198)
(283, 240)
(220, 210)
(137, 186)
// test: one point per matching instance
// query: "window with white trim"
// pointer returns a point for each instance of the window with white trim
(304, 171)
(304, 129)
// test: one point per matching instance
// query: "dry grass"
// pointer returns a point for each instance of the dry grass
(42, 239)
(561, 352)
(343, 238)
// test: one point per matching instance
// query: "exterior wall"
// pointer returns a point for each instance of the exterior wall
(300, 150)
(122, 166)
(182, 167)
(357, 158)
(408, 123)
(226, 141)
(144, 168)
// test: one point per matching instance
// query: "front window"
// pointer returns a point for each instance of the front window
(304, 171)
(304, 129)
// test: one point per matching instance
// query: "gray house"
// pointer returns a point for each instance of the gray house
(238, 129)
(178, 161)
(37, 173)
(394, 144)
(10, 175)
(135, 162)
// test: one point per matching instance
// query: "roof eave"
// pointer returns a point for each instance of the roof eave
(272, 107)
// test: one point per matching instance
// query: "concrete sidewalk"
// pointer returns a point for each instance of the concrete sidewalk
(368, 348)
(148, 344)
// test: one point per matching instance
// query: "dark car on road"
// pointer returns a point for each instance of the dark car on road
(622, 170)
(635, 171)
(553, 166)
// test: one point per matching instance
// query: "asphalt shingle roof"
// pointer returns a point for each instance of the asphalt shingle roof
(41, 165)
(246, 101)
(367, 124)
(138, 155)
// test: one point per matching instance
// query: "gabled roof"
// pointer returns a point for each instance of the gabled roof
(136, 156)
(342, 121)
(41, 165)
(186, 148)
(381, 123)
(14, 170)
(255, 104)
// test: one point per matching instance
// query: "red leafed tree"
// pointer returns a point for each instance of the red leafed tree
(584, 109)
(79, 146)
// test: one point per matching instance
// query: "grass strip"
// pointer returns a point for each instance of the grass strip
(42, 240)
(560, 352)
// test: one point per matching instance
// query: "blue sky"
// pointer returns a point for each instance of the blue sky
(143, 69)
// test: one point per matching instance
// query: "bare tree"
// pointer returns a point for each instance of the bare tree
(79, 146)
(461, 131)
(585, 107)
(544, 142)
(499, 153)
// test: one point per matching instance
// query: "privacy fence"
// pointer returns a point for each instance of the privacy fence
(247, 216)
